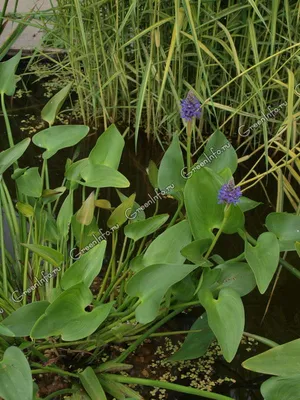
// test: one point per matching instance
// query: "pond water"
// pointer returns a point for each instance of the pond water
(282, 321)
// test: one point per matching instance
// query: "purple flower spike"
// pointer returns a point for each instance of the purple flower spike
(229, 194)
(190, 107)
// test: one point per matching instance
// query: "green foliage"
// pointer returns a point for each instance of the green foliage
(15, 376)
(67, 317)
(196, 343)
(59, 137)
(263, 259)
(52, 108)
(226, 319)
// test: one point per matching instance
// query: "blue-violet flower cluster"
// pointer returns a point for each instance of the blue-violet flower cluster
(190, 107)
(229, 194)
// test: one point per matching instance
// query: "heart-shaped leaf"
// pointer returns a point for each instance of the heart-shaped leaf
(86, 268)
(11, 155)
(67, 317)
(196, 343)
(59, 137)
(151, 284)
(15, 376)
(263, 259)
(52, 108)
(21, 321)
(140, 229)
(226, 318)
(108, 149)
(281, 360)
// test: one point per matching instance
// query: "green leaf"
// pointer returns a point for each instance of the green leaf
(263, 259)
(87, 236)
(171, 166)
(65, 215)
(85, 214)
(8, 78)
(52, 108)
(281, 388)
(21, 321)
(86, 268)
(53, 257)
(15, 376)
(196, 344)
(118, 390)
(11, 155)
(152, 172)
(246, 204)
(4, 331)
(140, 229)
(108, 149)
(201, 201)
(67, 317)
(218, 154)
(281, 360)
(166, 248)
(237, 276)
(51, 195)
(194, 252)
(226, 318)
(286, 227)
(151, 284)
(30, 183)
(120, 214)
(100, 176)
(72, 172)
(25, 209)
(137, 214)
(59, 137)
(91, 384)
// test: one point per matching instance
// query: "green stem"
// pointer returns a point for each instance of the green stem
(3, 261)
(162, 334)
(179, 207)
(226, 215)
(6, 119)
(189, 142)
(165, 385)
(134, 345)
(51, 369)
(261, 339)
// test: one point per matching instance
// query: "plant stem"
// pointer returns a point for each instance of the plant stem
(189, 142)
(166, 385)
(6, 119)
(132, 347)
(226, 214)
(261, 339)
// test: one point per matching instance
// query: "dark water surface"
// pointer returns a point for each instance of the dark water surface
(282, 322)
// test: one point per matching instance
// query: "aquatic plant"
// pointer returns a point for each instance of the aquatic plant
(59, 290)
